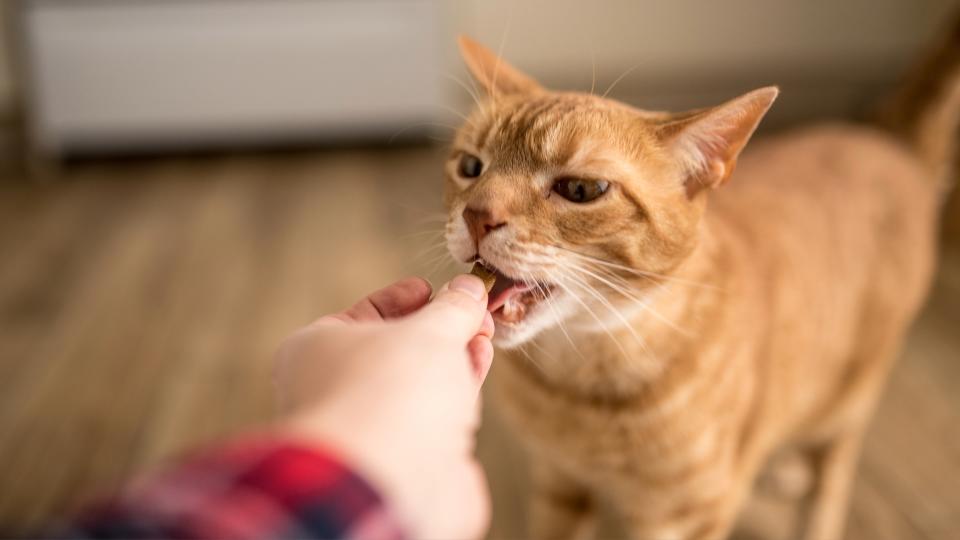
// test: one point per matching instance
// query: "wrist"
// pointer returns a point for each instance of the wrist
(366, 449)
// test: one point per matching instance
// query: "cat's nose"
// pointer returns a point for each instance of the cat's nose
(481, 222)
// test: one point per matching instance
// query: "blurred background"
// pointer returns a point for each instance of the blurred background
(183, 182)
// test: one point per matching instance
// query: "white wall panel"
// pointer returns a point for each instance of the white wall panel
(116, 73)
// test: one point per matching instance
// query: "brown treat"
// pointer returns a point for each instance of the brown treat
(488, 277)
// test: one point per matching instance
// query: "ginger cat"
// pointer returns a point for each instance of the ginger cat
(680, 323)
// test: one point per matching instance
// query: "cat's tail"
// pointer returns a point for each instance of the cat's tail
(925, 111)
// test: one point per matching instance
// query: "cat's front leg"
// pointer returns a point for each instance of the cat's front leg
(836, 465)
(712, 521)
(706, 508)
(560, 507)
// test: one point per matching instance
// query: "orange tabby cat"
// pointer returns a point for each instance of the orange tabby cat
(676, 335)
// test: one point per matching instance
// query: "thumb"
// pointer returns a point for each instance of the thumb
(458, 308)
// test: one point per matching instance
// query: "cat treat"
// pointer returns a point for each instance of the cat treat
(482, 272)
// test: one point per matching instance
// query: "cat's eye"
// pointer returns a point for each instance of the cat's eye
(580, 190)
(470, 166)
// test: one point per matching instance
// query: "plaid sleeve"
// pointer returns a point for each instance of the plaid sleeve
(252, 489)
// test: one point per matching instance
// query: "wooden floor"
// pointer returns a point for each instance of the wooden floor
(140, 302)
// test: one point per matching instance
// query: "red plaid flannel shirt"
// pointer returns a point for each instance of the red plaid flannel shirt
(265, 489)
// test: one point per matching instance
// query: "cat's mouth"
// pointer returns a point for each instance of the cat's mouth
(510, 299)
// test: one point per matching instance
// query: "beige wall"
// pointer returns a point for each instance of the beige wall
(830, 57)
(559, 38)
(6, 76)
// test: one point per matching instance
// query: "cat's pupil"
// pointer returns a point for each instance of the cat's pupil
(470, 166)
(581, 191)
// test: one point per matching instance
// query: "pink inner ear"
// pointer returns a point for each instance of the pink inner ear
(709, 144)
(704, 155)
(713, 175)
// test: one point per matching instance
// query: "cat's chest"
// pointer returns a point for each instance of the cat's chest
(605, 438)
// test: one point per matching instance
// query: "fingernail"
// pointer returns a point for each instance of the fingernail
(470, 285)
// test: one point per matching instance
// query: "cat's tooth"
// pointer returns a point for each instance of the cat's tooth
(510, 309)
(514, 309)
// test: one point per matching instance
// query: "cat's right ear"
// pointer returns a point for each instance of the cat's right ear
(493, 73)
(707, 142)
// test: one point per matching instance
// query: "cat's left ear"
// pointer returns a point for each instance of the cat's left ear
(494, 73)
(707, 142)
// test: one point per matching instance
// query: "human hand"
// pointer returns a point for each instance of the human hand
(393, 385)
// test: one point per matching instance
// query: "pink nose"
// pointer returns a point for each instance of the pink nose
(481, 222)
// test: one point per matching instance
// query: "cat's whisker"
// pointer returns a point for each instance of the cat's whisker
(438, 263)
(503, 43)
(583, 283)
(603, 325)
(624, 291)
(539, 347)
(651, 365)
(634, 271)
(417, 234)
(431, 251)
(481, 104)
(606, 303)
(405, 129)
(616, 266)
(531, 358)
(620, 78)
(418, 207)
(431, 248)
(427, 256)
(427, 269)
(435, 238)
(459, 114)
(593, 66)
(556, 315)
(474, 95)
(434, 217)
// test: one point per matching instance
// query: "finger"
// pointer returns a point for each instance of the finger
(401, 298)
(481, 356)
(458, 308)
(476, 493)
(487, 327)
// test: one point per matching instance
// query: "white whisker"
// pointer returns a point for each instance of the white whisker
(530, 358)
(417, 234)
(620, 78)
(420, 125)
(474, 95)
(503, 43)
(593, 64)
(455, 112)
(606, 303)
(641, 273)
(556, 315)
(624, 290)
(429, 249)
(603, 325)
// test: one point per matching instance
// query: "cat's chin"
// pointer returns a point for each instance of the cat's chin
(513, 335)
(537, 318)
(512, 326)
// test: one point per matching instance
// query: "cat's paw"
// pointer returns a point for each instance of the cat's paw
(788, 475)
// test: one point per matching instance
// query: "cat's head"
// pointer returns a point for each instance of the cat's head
(571, 196)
